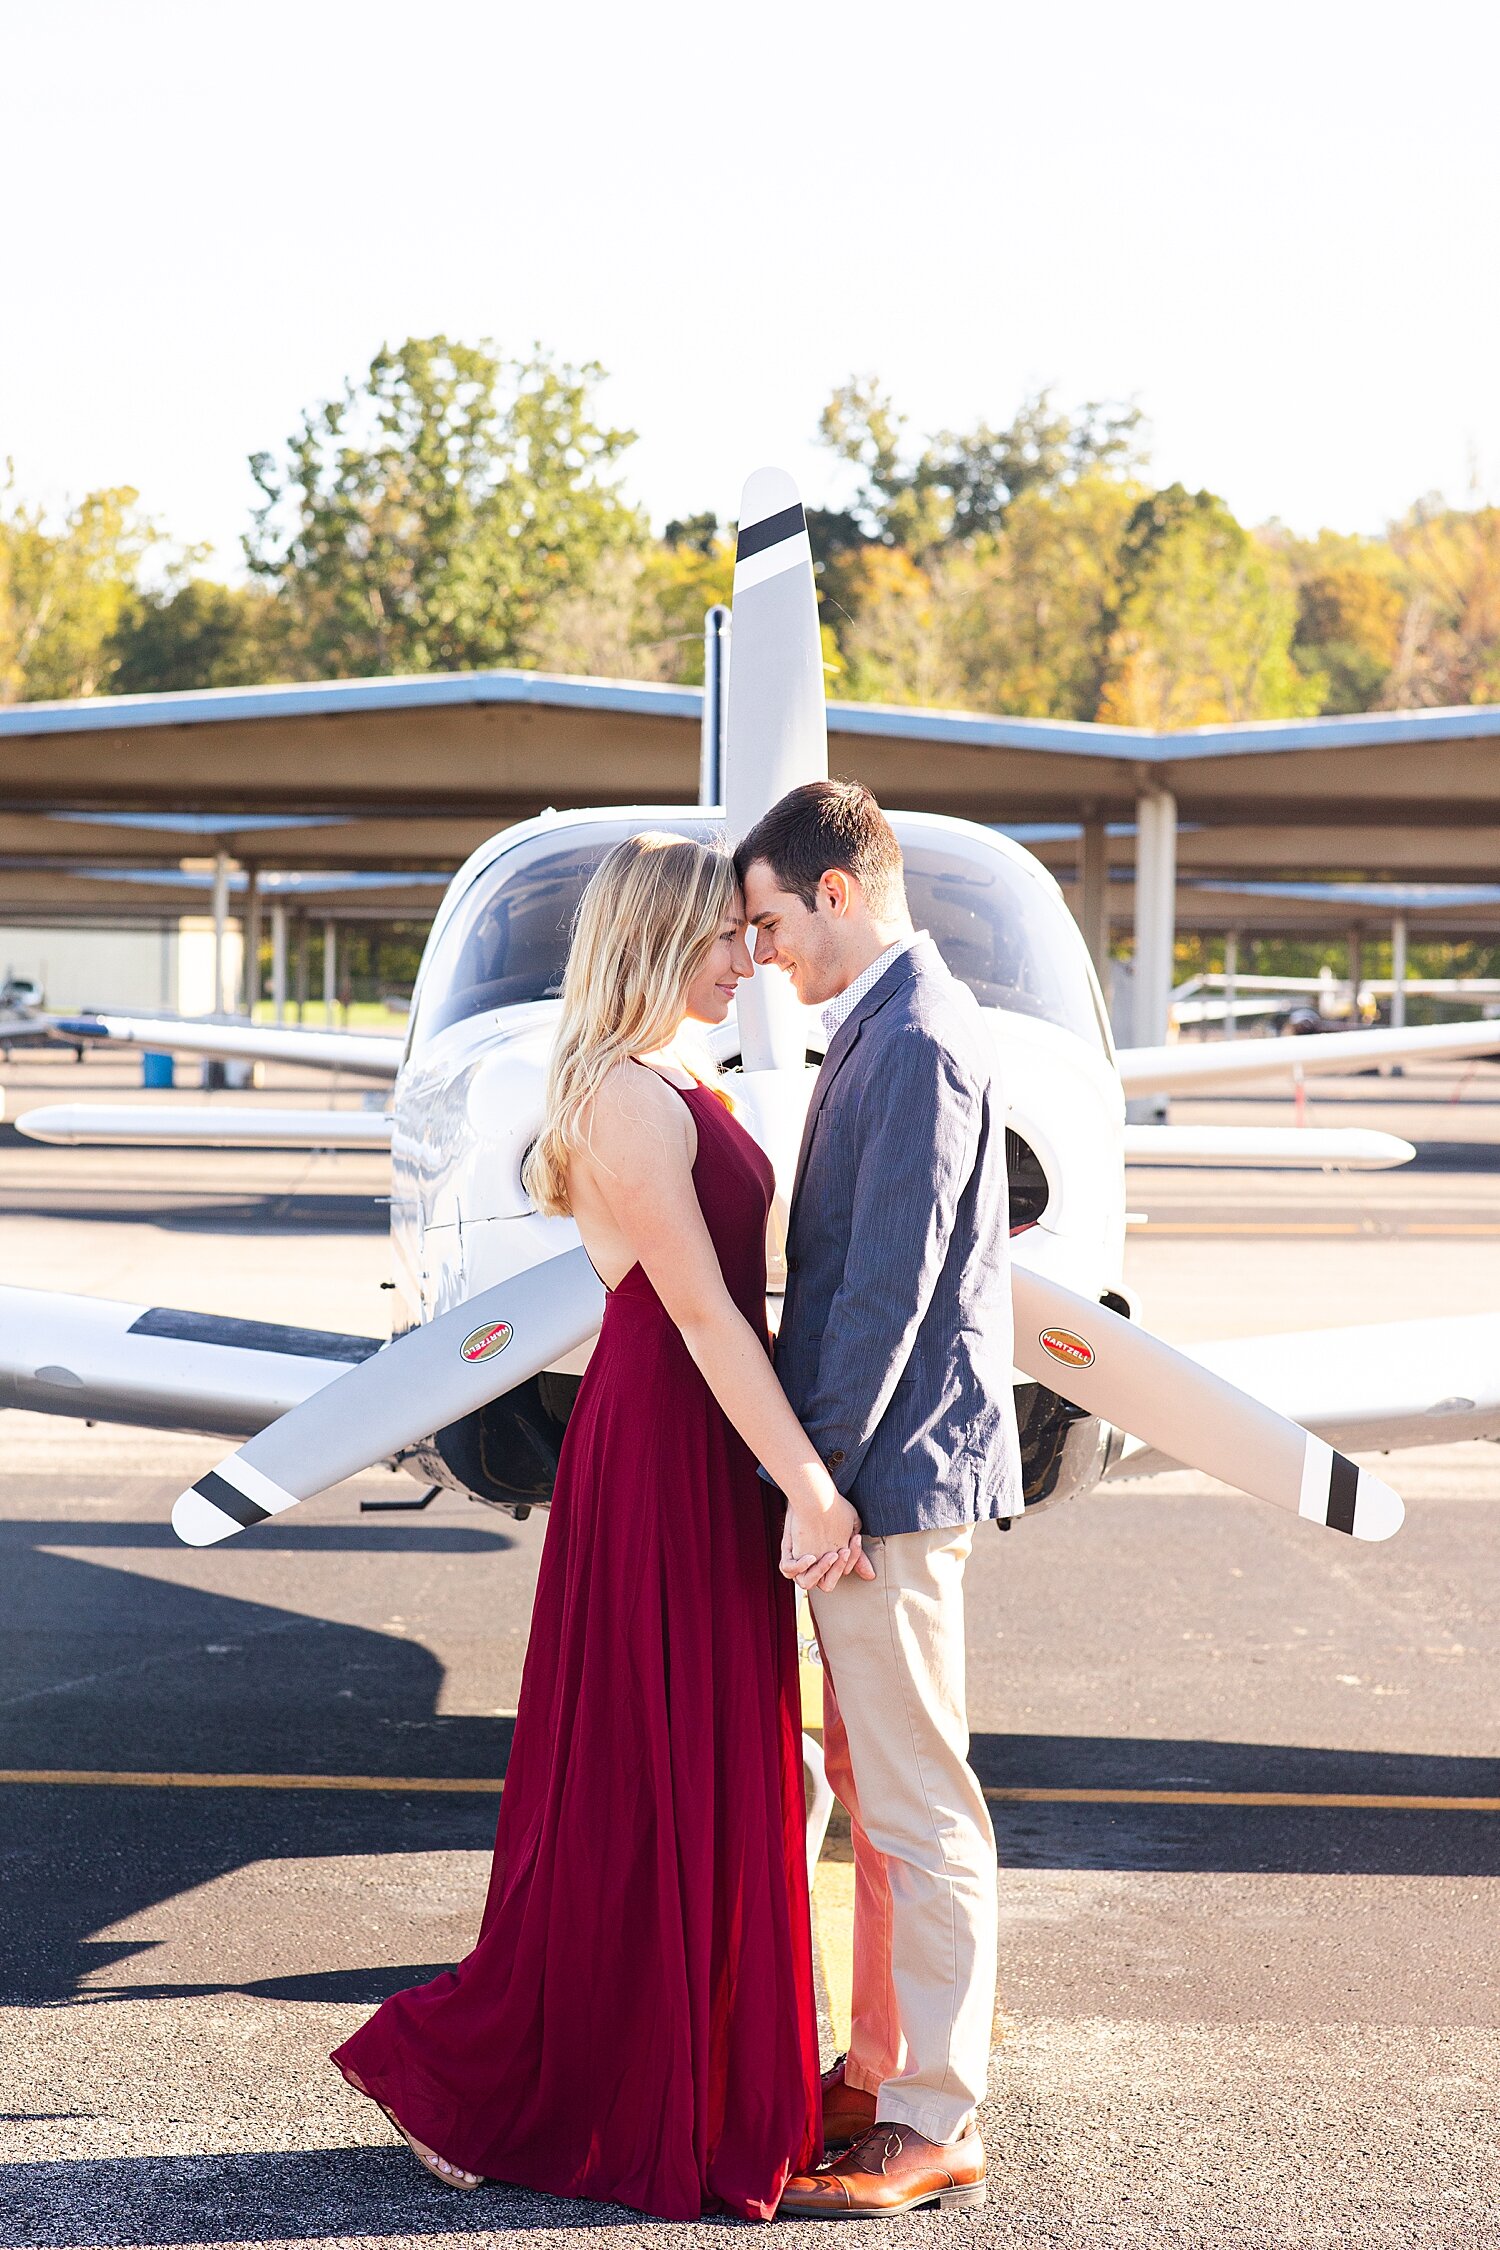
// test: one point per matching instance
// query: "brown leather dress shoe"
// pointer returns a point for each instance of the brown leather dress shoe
(891, 2169)
(848, 2111)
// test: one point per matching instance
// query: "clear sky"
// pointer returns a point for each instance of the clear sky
(1275, 226)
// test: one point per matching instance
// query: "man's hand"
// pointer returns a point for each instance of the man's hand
(814, 1566)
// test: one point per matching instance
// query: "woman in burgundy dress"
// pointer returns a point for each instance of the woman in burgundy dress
(637, 2020)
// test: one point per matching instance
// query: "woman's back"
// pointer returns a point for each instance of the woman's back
(734, 1183)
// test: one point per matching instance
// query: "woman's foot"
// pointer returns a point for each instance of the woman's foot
(447, 2175)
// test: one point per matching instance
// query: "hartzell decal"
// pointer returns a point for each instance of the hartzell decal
(484, 1342)
(1062, 1344)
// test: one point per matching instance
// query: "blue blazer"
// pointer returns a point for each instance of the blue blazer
(895, 1341)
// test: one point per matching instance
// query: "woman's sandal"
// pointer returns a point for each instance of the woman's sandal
(446, 2174)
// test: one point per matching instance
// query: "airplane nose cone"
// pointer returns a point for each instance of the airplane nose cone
(501, 1113)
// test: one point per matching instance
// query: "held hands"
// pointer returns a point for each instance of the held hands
(822, 1544)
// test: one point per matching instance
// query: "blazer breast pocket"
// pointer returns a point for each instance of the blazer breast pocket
(822, 1137)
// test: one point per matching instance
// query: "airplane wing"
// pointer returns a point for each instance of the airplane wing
(28, 1030)
(1285, 1147)
(1184, 1069)
(159, 1368)
(167, 1125)
(1369, 1390)
(1217, 1011)
(362, 1054)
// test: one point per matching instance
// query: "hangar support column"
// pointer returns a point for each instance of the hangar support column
(1398, 972)
(278, 959)
(1231, 979)
(221, 924)
(252, 939)
(302, 968)
(1155, 926)
(1093, 889)
(1155, 913)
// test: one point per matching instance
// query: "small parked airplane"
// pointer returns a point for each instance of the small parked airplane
(498, 1305)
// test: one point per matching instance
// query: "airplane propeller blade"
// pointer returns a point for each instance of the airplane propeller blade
(1127, 1376)
(777, 730)
(419, 1383)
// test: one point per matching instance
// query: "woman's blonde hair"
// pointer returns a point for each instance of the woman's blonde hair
(652, 909)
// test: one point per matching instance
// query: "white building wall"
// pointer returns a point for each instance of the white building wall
(168, 969)
(195, 968)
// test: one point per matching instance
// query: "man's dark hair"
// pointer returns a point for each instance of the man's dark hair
(828, 824)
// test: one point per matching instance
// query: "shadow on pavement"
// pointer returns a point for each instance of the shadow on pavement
(278, 2196)
(107, 1670)
(1237, 1839)
(364, 1988)
(361, 1536)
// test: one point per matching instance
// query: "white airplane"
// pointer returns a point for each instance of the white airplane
(498, 1306)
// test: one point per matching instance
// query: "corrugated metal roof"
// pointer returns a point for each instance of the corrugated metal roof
(961, 730)
(302, 699)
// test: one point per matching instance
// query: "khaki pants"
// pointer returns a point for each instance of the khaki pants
(896, 1741)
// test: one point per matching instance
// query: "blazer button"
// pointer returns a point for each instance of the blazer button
(835, 1457)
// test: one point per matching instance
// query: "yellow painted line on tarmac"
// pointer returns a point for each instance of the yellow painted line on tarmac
(425, 1783)
(1295, 1798)
(833, 1935)
(485, 1786)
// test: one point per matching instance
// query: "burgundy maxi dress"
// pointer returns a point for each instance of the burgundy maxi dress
(637, 2021)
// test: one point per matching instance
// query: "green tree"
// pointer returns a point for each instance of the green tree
(64, 593)
(1027, 615)
(639, 614)
(1350, 605)
(1204, 623)
(195, 634)
(961, 483)
(891, 646)
(682, 577)
(1450, 631)
(427, 519)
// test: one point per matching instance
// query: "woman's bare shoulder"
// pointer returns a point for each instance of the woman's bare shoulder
(633, 1106)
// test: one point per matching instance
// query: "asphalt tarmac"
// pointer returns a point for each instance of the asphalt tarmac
(1245, 1776)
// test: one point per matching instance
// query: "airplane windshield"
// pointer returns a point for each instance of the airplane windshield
(508, 940)
(997, 925)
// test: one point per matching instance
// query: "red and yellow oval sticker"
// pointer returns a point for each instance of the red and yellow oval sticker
(492, 1338)
(1061, 1343)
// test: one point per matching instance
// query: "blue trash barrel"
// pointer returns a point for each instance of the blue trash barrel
(156, 1070)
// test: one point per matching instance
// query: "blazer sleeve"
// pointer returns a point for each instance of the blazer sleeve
(918, 1121)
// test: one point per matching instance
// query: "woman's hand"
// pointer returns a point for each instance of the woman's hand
(821, 1543)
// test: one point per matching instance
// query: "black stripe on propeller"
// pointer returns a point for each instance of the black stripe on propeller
(1343, 1492)
(754, 538)
(230, 1501)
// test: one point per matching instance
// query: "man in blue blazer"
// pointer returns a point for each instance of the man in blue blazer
(895, 1351)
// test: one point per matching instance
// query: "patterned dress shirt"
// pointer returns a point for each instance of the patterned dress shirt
(842, 1002)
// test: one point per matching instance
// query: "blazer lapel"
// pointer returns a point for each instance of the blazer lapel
(838, 1049)
(841, 1046)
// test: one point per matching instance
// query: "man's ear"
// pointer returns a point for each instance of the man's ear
(838, 889)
